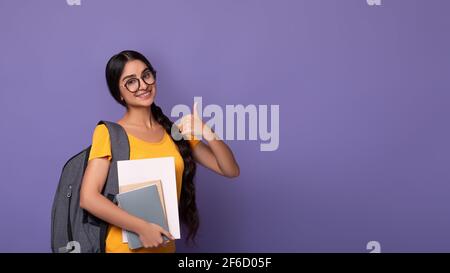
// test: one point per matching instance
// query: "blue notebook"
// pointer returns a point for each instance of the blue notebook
(145, 204)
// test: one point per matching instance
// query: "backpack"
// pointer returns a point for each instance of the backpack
(74, 229)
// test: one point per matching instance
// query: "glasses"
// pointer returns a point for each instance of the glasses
(134, 84)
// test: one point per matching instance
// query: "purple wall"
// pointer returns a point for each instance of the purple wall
(364, 99)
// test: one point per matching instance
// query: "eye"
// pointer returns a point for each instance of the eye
(131, 82)
(147, 75)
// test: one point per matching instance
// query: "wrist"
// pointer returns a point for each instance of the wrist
(139, 226)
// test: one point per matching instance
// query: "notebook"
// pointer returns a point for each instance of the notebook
(150, 169)
(136, 186)
(130, 187)
(144, 203)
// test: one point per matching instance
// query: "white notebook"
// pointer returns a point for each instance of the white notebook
(161, 168)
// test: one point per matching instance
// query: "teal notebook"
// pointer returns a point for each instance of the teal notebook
(145, 204)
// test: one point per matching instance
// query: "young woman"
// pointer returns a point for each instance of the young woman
(132, 83)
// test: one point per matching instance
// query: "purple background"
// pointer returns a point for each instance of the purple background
(364, 106)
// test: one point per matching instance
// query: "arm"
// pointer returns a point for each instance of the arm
(215, 155)
(93, 201)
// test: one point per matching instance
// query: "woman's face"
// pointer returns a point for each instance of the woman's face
(137, 84)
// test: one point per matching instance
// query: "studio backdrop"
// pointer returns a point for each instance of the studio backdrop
(344, 144)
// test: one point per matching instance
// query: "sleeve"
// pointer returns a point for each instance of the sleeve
(101, 144)
(193, 143)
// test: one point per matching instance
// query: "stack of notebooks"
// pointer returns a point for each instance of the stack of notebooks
(144, 200)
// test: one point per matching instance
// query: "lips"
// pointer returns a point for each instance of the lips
(144, 95)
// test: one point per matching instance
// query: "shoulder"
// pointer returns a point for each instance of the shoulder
(101, 129)
(100, 133)
(101, 146)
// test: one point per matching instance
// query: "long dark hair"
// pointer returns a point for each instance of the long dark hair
(188, 206)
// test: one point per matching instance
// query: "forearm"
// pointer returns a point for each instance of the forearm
(223, 154)
(106, 210)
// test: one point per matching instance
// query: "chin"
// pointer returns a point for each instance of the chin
(146, 103)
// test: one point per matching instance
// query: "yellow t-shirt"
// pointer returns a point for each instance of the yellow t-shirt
(139, 149)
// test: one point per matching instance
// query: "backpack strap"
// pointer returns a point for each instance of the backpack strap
(120, 150)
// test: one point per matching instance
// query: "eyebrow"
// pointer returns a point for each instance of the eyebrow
(134, 75)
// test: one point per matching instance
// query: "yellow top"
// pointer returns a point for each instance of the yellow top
(139, 149)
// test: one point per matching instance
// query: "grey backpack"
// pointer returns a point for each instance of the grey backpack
(74, 229)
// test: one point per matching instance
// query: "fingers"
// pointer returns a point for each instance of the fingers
(184, 121)
(185, 127)
(190, 125)
(168, 235)
(179, 125)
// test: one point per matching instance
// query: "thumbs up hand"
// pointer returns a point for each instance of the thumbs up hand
(192, 125)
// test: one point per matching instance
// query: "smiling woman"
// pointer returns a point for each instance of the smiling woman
(132, 83)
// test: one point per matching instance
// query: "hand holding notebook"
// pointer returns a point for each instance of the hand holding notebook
(145, 203)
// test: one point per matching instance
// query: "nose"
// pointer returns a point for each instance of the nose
(142, 84)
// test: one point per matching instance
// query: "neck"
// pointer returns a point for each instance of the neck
(141, 116)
